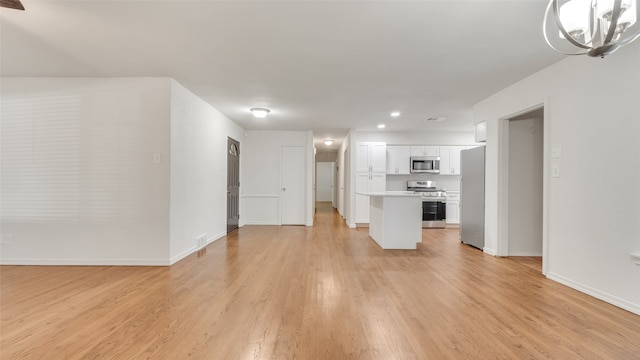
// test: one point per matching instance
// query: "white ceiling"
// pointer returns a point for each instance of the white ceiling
(326, 66)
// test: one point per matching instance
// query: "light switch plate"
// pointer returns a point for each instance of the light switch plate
(555, 171)
(556, 152)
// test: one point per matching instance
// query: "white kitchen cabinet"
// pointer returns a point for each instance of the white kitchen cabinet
(453, 207)
(371, 157)
(423, 150)
(371, 167)
(398, 160)
(367, 183)
(450, 159)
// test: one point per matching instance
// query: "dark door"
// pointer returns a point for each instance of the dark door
(233, 183)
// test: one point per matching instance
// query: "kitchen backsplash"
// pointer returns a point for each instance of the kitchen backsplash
(446, 182)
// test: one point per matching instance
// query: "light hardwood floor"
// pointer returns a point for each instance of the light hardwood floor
(294, 292)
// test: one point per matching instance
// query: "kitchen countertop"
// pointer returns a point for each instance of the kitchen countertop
(391, 193)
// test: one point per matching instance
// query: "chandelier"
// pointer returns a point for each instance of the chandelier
(592, 27)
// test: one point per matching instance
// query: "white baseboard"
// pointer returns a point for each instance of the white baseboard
(352, 226)
(524, 253)
(190, 251)
(85, 262)
(183, 255)
(611, 299)
(309, 224)
(261, 223)
(490, 251)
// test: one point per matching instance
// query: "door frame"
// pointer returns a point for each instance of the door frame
(331, 165)
(503, 181)
(231, 141)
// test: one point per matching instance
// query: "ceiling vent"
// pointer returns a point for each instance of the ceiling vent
(435, 119)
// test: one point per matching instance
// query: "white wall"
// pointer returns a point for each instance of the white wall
(591, 114)
(78, 182)
(444, 182)
(525, 186)
(261, 168)
(418, 137)
(198, 170)
(327, 156)
(340, 190)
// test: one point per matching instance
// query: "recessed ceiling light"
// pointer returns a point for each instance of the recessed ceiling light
(395, 114)
(381, 126)
(328, 142)
(259, 112)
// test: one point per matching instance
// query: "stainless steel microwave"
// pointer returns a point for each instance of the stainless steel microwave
(425, 164)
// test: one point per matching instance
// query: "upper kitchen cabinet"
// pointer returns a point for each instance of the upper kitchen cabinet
(398, 160)
(421, 150)
(371, 157)
(371, 168)
(450, 159)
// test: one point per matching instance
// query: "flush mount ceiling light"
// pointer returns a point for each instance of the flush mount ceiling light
(395, 114)
(595, 27)
(259, 112)
(328, 142)
(381, 126)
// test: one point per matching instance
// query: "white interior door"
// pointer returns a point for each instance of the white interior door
(292, 193)
(334, 182)
(324, 181)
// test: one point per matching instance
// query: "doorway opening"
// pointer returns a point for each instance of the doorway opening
(233, 184)
(522, 186)
(325, 183)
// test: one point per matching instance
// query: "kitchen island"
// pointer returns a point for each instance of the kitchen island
(395, 219)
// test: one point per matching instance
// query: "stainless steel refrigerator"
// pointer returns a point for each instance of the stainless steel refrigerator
(472, 197)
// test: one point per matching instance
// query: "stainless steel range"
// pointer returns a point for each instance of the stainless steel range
(434, 203)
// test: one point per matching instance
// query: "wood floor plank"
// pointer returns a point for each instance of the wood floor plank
(322, 292)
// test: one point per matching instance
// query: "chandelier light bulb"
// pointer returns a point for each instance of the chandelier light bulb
(595, 28)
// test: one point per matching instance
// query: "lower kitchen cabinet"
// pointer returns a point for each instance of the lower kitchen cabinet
(453, 207)
(367, 183)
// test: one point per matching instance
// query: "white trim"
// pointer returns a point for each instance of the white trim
(503, 187)
(86, 262)
(183, 255)
(190, 251)
(525, 253)
(352, 226)
(259, 195)
(611, 299)
(261, 223)
(546, 163)
(309, 224)
(216, 237)
(490, 251)
(503, 182)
